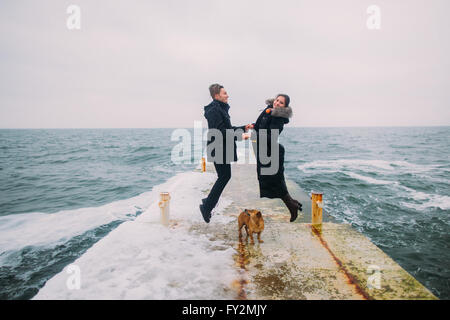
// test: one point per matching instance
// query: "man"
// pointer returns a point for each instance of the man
(219, 123)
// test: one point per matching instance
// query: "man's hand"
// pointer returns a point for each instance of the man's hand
(245, 136)
(249, 126)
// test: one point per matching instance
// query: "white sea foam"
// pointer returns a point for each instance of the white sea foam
(421, 200)
(141, 259)
(369, 179)
(363, 165)
(334, 165)
(43, 229)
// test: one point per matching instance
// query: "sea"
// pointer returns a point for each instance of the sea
(62, 190)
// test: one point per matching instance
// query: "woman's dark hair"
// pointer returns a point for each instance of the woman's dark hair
(286, 98)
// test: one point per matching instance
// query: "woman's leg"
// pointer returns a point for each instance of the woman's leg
(293, 205)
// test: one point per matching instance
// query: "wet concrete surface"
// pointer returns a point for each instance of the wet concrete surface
(296, 261)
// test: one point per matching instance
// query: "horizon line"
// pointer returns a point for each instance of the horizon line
(82, 128)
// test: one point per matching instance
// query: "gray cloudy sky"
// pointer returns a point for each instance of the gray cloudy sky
(149, 63)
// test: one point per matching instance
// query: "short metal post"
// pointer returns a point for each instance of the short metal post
(316, 210)
(203, 164)
(164, 205)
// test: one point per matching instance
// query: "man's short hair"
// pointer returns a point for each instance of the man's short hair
(214, 89)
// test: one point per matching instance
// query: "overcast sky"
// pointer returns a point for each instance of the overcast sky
(140, 64)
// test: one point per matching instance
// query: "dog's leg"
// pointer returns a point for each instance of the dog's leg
(259, 237)
(251, 237)
(246, 229)
(239, 231)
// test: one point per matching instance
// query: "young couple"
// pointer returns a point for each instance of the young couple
(270, 122)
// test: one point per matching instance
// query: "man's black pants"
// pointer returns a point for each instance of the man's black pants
(224, 175)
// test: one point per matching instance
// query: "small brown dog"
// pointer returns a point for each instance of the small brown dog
(253, 222)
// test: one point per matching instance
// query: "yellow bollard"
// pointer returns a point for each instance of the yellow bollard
(203, 164)
(316, 210)
(164, 205)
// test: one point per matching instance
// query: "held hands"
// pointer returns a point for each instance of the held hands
(249, 126)
(245, 136)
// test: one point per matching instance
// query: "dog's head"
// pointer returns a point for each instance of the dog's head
(255, 214)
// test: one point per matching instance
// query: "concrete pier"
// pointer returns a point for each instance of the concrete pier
(189, 259)
(297, 262)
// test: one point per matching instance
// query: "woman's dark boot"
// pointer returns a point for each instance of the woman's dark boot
(299, 205)
(293, 205)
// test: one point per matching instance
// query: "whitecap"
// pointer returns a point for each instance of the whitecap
(435, 201)
(47, 229)
(363, 165)
(337, 165)
(422, 201)
(369, 179)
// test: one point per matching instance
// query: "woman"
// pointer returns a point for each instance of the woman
(274, 116)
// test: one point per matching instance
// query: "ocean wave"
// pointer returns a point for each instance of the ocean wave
(36, 265)
(142, 158)
(334, 165)
(363, 165)
(369, 179)
(55, 153)
(422, 201)
(162, 168)
(146, 148)
(48, 229)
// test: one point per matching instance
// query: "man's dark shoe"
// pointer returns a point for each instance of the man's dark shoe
(206, 215)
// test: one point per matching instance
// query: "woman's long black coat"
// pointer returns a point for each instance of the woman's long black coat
(271, 186)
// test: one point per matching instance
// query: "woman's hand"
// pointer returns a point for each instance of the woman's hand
(249, 126)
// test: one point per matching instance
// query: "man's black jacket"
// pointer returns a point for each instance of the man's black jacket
(218, 118)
